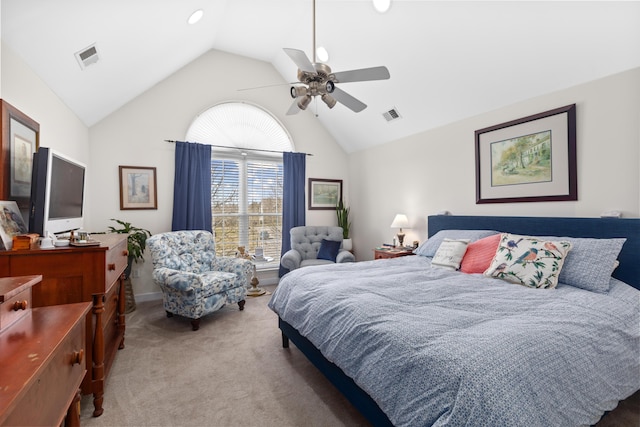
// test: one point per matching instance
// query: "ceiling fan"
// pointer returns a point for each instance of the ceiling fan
(317, 79)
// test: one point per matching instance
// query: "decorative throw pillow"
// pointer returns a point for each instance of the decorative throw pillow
(479, 254)
(329, 250)
(450, 254)
(529, 261)
(429, 247)
(591, 262)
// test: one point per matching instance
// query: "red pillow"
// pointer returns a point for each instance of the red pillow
(480, 254)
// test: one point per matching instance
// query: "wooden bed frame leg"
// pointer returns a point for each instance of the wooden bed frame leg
(285, 341)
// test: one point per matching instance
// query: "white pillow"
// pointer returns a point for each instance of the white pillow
(429, 247)
(529, 261)
(450, 253)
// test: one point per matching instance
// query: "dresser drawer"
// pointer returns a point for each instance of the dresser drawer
(48, 395)
(116, 259)
(15, 298)
(110, 316)
(15, 308)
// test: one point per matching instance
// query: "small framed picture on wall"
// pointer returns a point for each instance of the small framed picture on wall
(324, 193)
(138, 188)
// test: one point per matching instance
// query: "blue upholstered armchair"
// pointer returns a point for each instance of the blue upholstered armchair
(194, 282)
(308, 248)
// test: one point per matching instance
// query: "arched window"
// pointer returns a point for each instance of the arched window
(246, 177)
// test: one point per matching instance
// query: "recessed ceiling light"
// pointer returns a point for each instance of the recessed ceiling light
(322, 54)
(382, 5)
(195, 16)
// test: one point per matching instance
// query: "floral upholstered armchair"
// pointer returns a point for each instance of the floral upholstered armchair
(193, 280)
(315, 245)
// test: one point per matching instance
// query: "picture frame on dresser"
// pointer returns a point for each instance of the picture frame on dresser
(11, 223)
(531, 159)
(20, 138)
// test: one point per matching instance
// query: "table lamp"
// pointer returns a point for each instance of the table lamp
(398, 222)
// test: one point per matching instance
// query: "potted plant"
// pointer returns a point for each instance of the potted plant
(136, 244)
(343, 221)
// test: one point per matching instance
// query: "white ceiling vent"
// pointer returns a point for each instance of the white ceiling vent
(391, 115)
(87, 56)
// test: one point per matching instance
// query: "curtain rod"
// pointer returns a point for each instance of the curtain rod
(238, 148)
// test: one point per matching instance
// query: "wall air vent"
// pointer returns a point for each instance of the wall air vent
(87, 56)
(391, 115)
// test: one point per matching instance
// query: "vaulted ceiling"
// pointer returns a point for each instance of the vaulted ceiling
(448, 60)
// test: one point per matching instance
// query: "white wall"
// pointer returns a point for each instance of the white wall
(433, 171)
(134, 135)
(60, 128)
(418, 175)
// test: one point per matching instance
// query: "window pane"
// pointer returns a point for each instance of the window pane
(246, 202)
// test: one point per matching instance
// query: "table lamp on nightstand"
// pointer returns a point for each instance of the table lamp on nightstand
(400, 221)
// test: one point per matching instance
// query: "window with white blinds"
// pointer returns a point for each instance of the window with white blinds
(246, 177)
(246, 202)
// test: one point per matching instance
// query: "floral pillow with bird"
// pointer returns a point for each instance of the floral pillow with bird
(528, 261)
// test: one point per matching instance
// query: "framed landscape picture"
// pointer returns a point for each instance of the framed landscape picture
(138, 188)
(324, 193)
(532, 159)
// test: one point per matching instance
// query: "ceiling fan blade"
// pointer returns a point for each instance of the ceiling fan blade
(293, 109)
(362, 75)
(301, 60)
(348, 100)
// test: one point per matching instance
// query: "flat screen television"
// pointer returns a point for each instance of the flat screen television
(57, 193)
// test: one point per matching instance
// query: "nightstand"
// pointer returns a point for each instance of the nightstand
(391, 253)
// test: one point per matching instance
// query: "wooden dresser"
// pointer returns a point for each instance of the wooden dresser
(78, 274)
(42, 361)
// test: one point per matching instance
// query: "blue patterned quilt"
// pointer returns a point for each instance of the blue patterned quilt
(438, 347)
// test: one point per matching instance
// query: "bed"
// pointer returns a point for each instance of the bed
(411, 344)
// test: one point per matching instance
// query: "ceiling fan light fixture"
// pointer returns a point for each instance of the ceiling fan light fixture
(330, 86)
(195, 17)
(329, 100)
(297, 91)
(304, 102)
(381, 5)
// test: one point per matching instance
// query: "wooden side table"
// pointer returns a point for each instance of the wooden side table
(391, 253)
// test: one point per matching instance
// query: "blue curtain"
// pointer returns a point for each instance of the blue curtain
(192, 187)
(293, 210)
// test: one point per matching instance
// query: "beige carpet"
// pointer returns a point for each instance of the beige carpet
(232, 372)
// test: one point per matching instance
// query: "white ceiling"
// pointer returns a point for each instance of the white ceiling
(448, 60)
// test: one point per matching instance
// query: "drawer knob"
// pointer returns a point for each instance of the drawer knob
(77, 356)
(111, 267)
(20, 305)
(125, 252)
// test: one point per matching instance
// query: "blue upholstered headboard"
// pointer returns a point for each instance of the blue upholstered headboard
(629, 269)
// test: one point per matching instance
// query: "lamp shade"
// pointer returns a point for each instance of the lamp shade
(400, 221)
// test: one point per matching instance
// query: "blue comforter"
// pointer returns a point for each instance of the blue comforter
(437, 347)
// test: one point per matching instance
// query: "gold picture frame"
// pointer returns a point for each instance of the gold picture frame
(138, 188)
